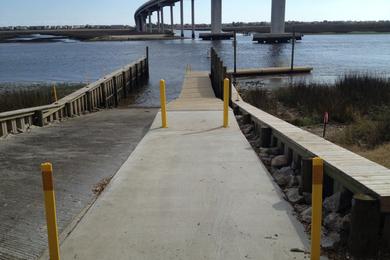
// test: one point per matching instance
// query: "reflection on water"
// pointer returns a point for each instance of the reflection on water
(329, 55)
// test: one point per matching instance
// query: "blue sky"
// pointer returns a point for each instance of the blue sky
(55, 12)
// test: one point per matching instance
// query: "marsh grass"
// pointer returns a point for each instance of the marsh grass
(362, 101)
(13, 97)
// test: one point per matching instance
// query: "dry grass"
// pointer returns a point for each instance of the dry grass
(380, 154)
(13, 97)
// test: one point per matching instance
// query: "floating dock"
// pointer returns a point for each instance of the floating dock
(268, 38)
(216, 36)
(270, 71)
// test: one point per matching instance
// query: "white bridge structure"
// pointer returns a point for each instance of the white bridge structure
(144, 13)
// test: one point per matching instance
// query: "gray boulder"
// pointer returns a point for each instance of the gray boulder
(306, 215)
(283, 176)
(330, 240)
(332, 203)
(333, 222)
(293, 196)
(279, 161)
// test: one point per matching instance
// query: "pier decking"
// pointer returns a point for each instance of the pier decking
(270, 71)
(352, 171)
(192, 191)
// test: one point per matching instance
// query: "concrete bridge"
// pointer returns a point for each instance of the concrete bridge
(145, 12)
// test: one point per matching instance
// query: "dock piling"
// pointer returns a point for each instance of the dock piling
(50, 207)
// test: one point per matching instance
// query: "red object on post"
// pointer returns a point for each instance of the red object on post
(326, 121)
(326, 118)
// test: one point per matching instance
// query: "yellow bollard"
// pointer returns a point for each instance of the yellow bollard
(50, 206)
(55, 93)
(316, 216)
(226, 94)
(163, 100)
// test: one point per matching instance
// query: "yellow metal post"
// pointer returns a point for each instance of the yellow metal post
(55, 93)
(226, 94)
(316, 223)
(50, 206)
(163, 100)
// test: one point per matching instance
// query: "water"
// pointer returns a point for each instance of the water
(69, 61)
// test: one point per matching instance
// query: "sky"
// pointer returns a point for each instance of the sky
(77, 12)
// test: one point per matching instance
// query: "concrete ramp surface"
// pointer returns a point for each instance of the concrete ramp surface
(192, 191)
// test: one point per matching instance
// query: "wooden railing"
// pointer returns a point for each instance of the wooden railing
(104, 93)
(218, 73)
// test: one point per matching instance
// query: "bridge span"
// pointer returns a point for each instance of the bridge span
(145, 12)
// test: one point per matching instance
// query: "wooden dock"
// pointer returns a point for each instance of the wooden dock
(269, 71)
(356, 173)
(216, 36)
(276, 38)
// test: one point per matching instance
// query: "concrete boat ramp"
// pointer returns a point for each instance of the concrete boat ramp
(192, 191)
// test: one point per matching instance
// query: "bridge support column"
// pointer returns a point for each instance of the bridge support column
(278, 16)
(193, 18)
(158, 21)
(181, 18)
(216, 16)
(150, 22)
(172, 27)
(162, 19)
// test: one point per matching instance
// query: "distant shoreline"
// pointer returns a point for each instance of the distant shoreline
(130, 34)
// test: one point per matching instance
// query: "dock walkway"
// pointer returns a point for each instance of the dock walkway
(192, 191)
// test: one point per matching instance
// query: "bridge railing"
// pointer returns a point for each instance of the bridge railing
(104, 93)
(218, 73)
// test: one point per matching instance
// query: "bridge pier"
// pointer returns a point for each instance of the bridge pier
(150, 22)
(278, 14)
(216, 16)
(216, 24)
(172, 27)
(181, 19)
(193, 18)
(162, 19)
(158, 21)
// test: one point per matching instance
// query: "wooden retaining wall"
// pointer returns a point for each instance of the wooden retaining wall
(104, 93)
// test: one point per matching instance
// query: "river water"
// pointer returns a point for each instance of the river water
(71, 61)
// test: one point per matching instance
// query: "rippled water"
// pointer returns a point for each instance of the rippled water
(330, 55)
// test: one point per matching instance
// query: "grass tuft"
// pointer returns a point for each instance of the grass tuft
(13, 97)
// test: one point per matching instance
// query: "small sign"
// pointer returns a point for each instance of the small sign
(326, 121)
(326, 118)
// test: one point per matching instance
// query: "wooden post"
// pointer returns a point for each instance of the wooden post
(292, 50)
(104, 94)
(89, 101)
(39, 118)
(3, 129)
(124, 84)
(306, 174)
(147, 62)
(274, 141)
(116, 97)
(136, 76)
(265, 135)
(290, 155)
(365, 227)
